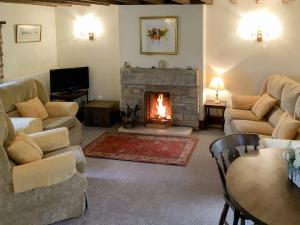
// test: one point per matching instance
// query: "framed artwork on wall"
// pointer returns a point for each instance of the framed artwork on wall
(28, 33)
(158, 35)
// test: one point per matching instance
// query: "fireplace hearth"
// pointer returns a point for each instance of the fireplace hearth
(157, 109)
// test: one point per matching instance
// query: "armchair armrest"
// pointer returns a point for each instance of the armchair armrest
(27, 125)
(58, 109)
(51, 140)
(244, 102)
(44, 172)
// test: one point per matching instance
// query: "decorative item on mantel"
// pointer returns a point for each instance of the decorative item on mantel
(129, 116)
(127, 65)
(292, 155)
(162, 64)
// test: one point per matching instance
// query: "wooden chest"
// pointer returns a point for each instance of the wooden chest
(101, 113)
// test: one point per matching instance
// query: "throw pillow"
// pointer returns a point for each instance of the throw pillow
(24, 149)
(32, 108)
(286, 128)
(263, 105)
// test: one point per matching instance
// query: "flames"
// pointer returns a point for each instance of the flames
(161, 108)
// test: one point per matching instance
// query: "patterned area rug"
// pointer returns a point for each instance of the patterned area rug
(142, 148)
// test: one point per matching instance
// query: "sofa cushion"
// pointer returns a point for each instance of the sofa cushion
(286, 128)
(248, 126)
(32, 108)
(17, 91)
(231, 114)
(297, 109)
(66, 121)
(76, 150)
(290, 94)
(274, 115)
(24, 149)
(263, 105)
(275, 85)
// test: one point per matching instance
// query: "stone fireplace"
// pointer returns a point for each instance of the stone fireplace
(165, 96)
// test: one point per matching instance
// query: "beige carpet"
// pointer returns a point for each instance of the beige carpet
(132, 193)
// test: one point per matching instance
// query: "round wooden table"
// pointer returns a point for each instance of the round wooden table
(258, 183)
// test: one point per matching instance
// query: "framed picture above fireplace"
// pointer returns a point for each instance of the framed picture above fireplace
(28, 33)
(158, 35)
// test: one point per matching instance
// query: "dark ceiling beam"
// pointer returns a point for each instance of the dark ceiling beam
(183, 2)
(154, 1)
(208, 2)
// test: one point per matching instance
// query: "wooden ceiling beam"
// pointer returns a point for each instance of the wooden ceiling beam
(208, 2)
(154, 1)
(129, 2)
(182, 2)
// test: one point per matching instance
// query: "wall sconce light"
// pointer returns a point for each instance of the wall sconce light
(260, 25)
(87, 27)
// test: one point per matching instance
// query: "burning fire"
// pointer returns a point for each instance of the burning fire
(161, 109)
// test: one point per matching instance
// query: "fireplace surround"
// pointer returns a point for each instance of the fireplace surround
(182, 90)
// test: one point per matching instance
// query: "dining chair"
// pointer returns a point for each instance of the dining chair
(225, 150)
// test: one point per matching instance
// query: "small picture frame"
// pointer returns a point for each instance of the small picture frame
(28, 33)
(158, 35)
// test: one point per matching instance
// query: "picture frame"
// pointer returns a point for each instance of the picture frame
(28, 33)
(159, 35)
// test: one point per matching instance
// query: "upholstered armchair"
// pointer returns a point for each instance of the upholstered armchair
(44, 191)
(60, 114)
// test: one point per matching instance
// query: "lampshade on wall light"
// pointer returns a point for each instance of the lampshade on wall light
(260, 25)
(87, 27)
(217, 84)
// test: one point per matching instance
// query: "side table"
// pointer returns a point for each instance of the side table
(101, 113)
(214, 119)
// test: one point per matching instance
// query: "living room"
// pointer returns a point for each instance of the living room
(220, 69)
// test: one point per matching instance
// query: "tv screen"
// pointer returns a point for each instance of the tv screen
(69, 79)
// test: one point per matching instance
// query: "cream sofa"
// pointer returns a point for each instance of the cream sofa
(240, 119)
(44, 191)
(61, 114)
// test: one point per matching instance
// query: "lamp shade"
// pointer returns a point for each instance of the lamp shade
(217, 83)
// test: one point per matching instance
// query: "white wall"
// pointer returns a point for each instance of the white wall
(246, 63)
(28, 58)
(101, 54)
(189, 35)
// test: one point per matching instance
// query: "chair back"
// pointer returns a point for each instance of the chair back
(228, 148)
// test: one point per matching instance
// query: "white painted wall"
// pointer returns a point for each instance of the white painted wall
(28, 58)
(189, 35)
(101, 55)
(247, 63)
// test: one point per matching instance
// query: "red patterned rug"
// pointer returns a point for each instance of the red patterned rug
(142, 148)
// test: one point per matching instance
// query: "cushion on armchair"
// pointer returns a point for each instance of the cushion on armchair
(264, 105)
(32, 108)
(24, 149)
(27, 125)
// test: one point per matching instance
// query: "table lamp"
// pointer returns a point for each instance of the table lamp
(217, 84)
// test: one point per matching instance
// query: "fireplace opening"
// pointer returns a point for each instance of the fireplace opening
(158, 112)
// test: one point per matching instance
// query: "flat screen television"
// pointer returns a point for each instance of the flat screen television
(69, 79)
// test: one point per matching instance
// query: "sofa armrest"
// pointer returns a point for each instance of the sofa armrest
(58, 109)
(277, 143)
(244, 102)
(27, 125)
(51, 140)
(44, 172)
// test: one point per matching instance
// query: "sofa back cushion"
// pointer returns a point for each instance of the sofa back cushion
(290, 94)
(275, 84)
(274, 115)
(21, 91)
(17, 91)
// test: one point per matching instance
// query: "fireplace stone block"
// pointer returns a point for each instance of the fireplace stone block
(185, 87)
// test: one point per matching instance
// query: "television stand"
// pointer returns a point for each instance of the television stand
(69, 96)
